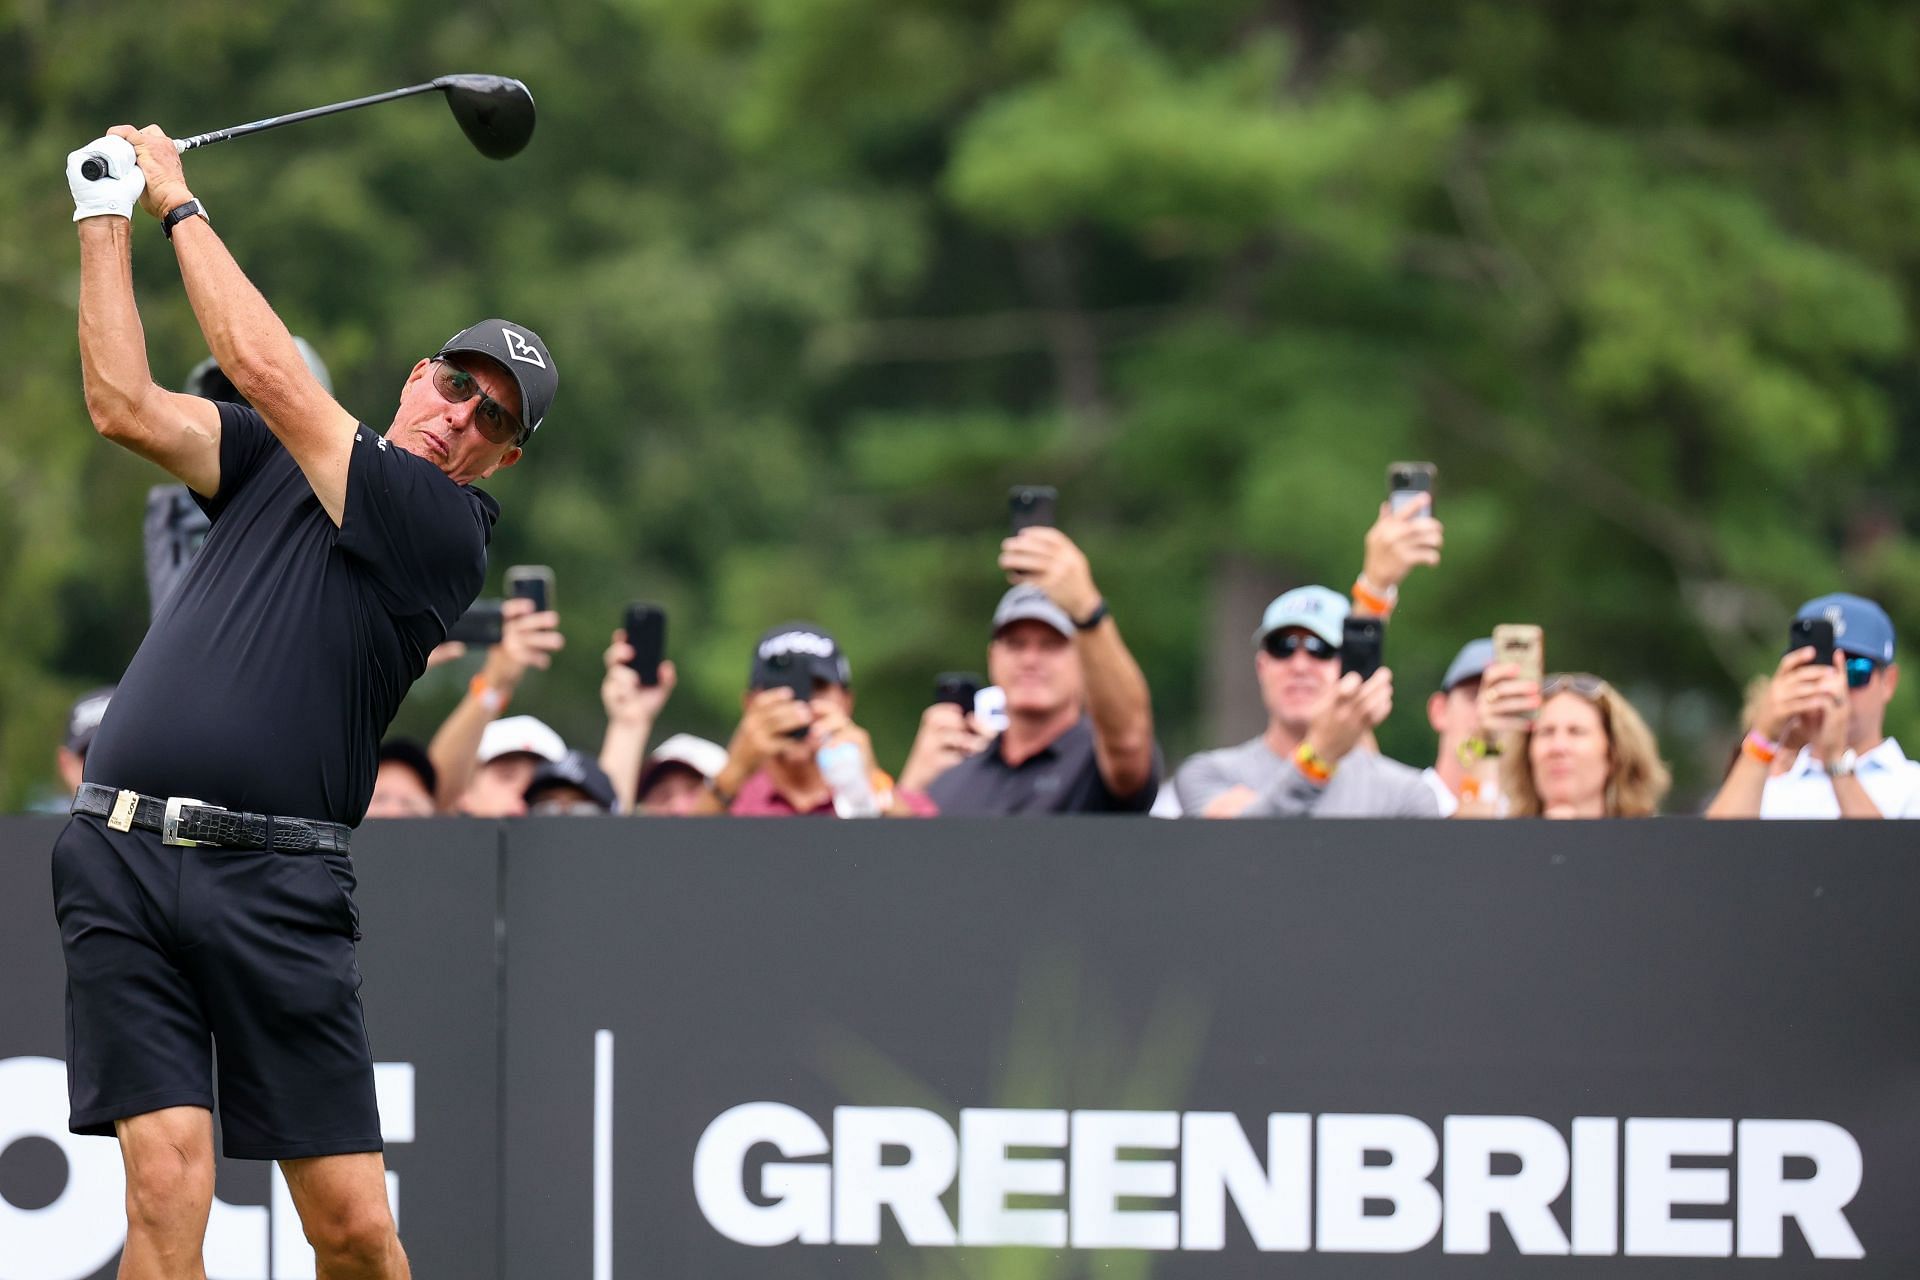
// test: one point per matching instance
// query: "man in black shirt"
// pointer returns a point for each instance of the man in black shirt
(202, 888)
(1079, 736)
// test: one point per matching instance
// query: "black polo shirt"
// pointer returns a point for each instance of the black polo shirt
(276, 663)
(1064, 777)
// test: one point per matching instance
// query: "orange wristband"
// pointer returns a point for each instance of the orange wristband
(1368, 599)
(1759, 747)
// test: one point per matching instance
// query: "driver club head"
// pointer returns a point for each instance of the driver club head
(495, 112)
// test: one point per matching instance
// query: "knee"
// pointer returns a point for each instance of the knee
(166, 1187)
(353, 1237)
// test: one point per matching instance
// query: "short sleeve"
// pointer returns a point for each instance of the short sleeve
(1198, 781)
(245, 442)
(422, 537)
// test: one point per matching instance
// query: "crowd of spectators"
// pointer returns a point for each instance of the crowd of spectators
(1065, 724)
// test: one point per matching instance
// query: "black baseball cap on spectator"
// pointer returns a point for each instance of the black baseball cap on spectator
(409, 753)
(83, 721)
(522, 354)
(803, 645)
(575, 769)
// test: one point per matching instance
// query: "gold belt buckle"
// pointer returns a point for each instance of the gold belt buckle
(170, 824)
(121, 819)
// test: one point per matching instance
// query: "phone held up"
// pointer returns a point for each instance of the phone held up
(1406, 481)
(532, 582)
(1030, 505)
(958, 687)
(646, 628)
(785, 672)
(1815, 632)
(1361, 642)
(1522, 645)
(479, 626)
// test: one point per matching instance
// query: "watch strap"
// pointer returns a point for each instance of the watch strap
(1093, 619)
(180, 213)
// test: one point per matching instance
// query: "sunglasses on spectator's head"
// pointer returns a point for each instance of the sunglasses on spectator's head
(1283, 645)
(1859, 672)
(495, 421)
(1583, 683)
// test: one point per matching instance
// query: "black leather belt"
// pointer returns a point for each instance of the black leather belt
(186, 822)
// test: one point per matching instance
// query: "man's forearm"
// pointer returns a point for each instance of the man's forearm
(623, 751)
(113, 344)
(1854, 800)
(252, 345)
(455, 749)
(1121, 707)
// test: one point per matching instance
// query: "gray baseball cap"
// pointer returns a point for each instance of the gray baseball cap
(1028, 603)
(519, 351)
(1470, 663)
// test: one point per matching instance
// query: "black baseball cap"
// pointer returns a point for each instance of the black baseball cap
(522, 354)
(575, 769)
(803, 645)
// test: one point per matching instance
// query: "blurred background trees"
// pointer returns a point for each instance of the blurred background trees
(823, 277)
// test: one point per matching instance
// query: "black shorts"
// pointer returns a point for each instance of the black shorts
(171, 951)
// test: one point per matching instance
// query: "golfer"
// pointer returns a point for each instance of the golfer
(203, 886)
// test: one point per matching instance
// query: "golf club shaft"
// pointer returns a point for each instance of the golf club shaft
(94, 169)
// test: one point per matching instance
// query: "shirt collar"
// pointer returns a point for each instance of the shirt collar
(1887, 756)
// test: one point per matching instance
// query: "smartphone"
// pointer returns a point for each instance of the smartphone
(1407, 481)
(958, 687)
(1523, 645)
(1360, 644)
(990, 709)
(479, 625)
(1029, 505)
(532, 582)
(784, 673)
(1817, 632)
(646, 627)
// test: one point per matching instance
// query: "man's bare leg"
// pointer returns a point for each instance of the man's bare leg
(169, 1159)
(343, 1206)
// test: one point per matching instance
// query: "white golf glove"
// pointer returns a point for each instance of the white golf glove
(114, 194)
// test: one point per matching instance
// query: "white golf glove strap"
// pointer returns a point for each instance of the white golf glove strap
(115, 194)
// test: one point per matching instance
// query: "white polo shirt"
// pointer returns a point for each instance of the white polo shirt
(1442, 794)
(1891, 780)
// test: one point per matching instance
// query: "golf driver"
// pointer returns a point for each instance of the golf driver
(495, 112)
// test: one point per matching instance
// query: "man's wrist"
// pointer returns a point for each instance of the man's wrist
(489, 694)
(1313, 764)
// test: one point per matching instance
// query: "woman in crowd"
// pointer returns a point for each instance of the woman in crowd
(1587, 754)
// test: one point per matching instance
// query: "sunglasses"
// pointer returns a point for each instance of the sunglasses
(1860, 672)
(1283, 645)
(495, 421)
(1580, 682)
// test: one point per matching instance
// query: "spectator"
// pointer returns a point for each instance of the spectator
(773, 761)
(83, 721)
(573, 786)
(1454, 713)
(406, 783)
(1848, 767)
(1079, 733)
(1585, 754)
(676, 773)
(511, 751)
(528, 641)
(631, 709)
(1316, 758)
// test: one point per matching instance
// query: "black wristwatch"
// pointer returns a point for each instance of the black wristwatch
(180, 213)
(1093, 619)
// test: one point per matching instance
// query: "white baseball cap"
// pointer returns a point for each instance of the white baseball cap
(521, 734)
(1314, 609)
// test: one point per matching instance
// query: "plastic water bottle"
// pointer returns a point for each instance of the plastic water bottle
(845, 770)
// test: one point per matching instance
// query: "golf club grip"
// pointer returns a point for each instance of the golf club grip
(93, 168)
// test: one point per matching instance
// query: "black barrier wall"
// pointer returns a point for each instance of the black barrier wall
(1117, 1048)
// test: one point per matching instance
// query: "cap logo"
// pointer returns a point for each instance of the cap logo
(1838, 618)
(518, 348)
(797, 642)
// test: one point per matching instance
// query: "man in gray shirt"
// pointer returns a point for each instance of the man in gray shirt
(1316, 758)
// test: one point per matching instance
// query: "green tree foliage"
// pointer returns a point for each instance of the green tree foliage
(824, 276)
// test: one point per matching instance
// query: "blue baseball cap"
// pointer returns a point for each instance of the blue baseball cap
(1860, 626)
(1314, 609)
